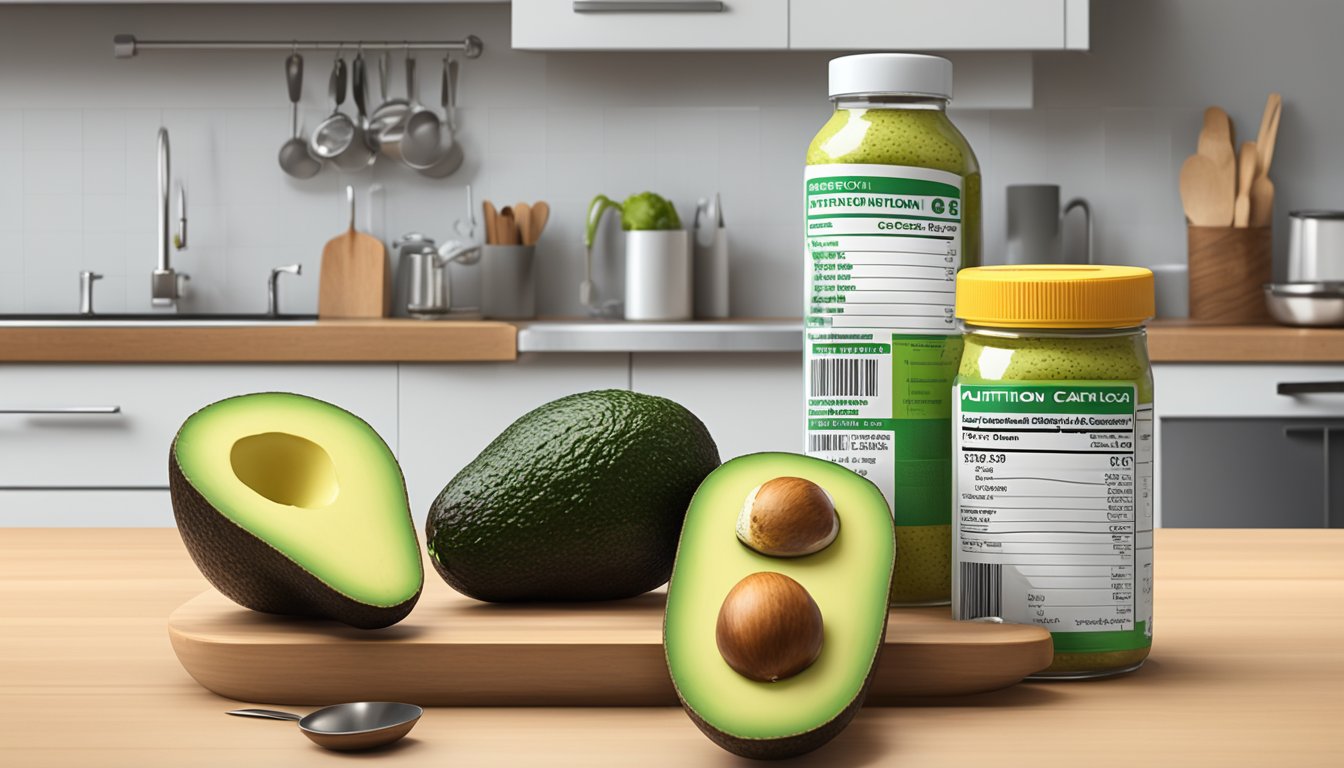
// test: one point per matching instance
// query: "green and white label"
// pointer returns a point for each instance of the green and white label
(882, 248)
(1054, 520)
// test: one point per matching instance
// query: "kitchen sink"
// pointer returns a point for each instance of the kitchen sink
(150, 320)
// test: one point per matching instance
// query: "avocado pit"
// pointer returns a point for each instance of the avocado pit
(788, 517)
(769, 627)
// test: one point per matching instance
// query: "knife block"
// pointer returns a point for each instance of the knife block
(1229, 268)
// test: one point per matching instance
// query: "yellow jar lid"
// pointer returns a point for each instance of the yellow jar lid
(1055, 296)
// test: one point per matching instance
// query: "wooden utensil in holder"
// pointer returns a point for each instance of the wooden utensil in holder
(1229, 267)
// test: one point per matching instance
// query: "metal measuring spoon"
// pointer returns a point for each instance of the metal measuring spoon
(349, 727)
(295, 159)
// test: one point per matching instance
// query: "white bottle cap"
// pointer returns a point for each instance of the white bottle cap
(903, 74)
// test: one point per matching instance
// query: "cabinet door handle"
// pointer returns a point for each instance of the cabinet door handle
(633, 6)
(75, 410)
(1311, 388)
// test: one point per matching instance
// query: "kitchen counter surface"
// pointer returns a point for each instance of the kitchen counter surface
(1170, 341)
(1248, 669)
(324, 341)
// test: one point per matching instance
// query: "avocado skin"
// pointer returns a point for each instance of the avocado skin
(254, 574)
(581, 499)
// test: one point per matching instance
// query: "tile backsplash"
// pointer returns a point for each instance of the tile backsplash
(77, 127)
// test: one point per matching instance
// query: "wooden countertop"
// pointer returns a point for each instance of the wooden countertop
(1189, 341)
(1169, 341)
(1247, 669)
(364, 341)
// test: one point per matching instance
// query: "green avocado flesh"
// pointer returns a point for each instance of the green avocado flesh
(580, 499)
(849, 580)
(292, 505)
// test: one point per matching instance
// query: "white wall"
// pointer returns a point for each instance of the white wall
(77, 137)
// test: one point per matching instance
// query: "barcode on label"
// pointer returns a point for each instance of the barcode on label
(843, 377)
(827, 443)
(981, 590)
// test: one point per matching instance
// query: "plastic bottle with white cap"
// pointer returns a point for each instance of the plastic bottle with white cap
(892, 212)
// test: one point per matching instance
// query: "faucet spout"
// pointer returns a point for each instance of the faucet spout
(165, 284)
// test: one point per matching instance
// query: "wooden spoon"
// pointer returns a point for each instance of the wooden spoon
(508, 227)
(1262, 189)
(491, 222)
(1269, 131)
(1207, 201)
(1215, 143)
(522, 216)
(541, 212)
(1247, 161)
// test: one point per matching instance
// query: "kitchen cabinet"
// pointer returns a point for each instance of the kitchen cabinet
(106, 429)
(750, 403)
(1250, 445)
(448, 413)
(834, 25)
(913, 25)
(615, 25)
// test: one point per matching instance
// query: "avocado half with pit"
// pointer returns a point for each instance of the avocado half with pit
(777, 606)
(291, 505)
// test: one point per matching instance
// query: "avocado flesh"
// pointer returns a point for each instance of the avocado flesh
(849, 580)
(293, 505)
(580, 499)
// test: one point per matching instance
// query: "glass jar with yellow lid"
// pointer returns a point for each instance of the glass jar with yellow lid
(1053, 472)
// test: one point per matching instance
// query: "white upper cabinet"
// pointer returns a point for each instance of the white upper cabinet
(1029, 25)
(668, 25)
(835, 25)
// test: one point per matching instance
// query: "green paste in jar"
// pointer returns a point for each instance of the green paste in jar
(927, 139)
(990, 357)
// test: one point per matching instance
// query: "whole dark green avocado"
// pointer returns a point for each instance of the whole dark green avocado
(580, 499)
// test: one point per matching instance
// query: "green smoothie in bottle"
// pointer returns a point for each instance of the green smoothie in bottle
(892, 212)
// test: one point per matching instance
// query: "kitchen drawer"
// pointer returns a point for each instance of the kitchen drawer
(51, 447)
(613, 25)
(1213, 390)
(750, 403)
(1252, 473)
(949, 25)
(66, 508)
(450, 412)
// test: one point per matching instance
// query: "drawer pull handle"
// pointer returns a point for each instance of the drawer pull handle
(633, 6)
(1311, 387)
(76, 410)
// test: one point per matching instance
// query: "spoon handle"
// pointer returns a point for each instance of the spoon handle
(268, 714)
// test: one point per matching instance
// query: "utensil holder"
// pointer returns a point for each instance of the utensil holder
(508, 282)
(658, 275)
(1229, 268)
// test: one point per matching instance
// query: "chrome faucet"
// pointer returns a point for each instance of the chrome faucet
(166, 284)
(272, 297)
(86, 279)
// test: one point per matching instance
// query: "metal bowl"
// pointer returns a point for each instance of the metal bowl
(1310, 304)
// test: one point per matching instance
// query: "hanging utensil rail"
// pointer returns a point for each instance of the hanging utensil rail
(127, 46)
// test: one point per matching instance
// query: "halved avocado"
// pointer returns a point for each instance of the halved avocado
(849, 580)
(291, 505)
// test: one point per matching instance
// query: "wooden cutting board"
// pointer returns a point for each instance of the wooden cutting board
(355, 280)
(455, 651)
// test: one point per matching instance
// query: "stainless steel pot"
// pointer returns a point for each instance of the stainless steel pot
(1316, 246)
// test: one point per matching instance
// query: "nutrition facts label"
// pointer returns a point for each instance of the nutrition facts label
(882, 247)
(1054, 506)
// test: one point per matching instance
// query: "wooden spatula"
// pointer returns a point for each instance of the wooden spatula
(1247, 161)
(541, 213)
(522, 213)
(491, 222)
(354, 282)
(1262, 189)
(1207, 202)
(508, 227)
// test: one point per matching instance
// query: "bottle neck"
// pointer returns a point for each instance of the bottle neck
(890, 101)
